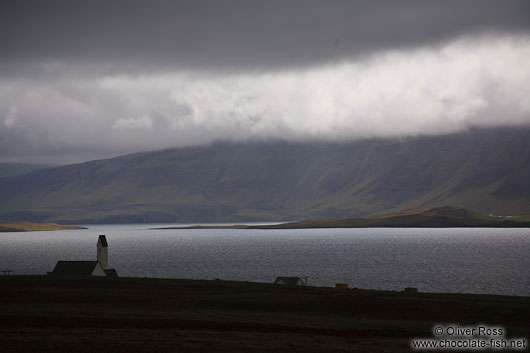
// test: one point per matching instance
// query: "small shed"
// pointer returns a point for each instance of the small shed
(341, 285)
(290, 281)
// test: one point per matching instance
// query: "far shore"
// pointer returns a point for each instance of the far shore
(440, 217)
(32, 226)
(198, 226)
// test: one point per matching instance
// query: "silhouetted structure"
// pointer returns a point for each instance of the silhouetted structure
(290, 281)
(78, 268)
(88, 268)
(103, 252)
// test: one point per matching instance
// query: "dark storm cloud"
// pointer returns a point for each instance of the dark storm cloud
(110, 36)
(89, 79)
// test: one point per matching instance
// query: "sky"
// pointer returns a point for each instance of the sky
(82, 80)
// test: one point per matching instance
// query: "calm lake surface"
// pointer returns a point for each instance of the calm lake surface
(464, 260)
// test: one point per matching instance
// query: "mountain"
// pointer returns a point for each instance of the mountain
(486, 170)
(14, 169)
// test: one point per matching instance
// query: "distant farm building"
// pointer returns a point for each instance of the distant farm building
(88, 268)
(341, 285)
(290, 281)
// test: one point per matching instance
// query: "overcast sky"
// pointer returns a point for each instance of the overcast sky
(88, 79)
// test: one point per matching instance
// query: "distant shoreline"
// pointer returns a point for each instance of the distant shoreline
(294, 226)
(32, 227)
(198, 226)
(441, 217)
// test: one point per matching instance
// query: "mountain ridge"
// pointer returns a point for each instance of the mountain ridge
(483, 170)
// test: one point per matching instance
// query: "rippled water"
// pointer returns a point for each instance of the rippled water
(470, 260)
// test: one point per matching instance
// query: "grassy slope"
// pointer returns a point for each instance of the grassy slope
(30, 226)
(446, 216)
(14, 169)
(485, 170)
(48, 314)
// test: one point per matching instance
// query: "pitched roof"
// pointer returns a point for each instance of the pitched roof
(290, 281)
(103, 241)
(74, 268)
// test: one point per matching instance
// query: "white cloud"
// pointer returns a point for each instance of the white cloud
(397, 93)
(11, 118)
(140, 123)
(466, 82)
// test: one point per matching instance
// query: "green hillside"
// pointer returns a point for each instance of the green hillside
(440, 217)
(486, 171)
(30, 226)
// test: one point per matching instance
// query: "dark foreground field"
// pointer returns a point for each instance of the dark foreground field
(46, 314)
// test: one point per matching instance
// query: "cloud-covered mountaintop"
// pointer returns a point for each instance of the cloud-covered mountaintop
(483, 170)
(80, 80)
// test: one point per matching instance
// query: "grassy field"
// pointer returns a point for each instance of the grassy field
(50, 314)
(440, 217)
(31, 226)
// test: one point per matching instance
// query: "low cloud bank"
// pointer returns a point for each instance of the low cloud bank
(463, 83)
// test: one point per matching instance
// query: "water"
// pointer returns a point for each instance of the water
(464, 260)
